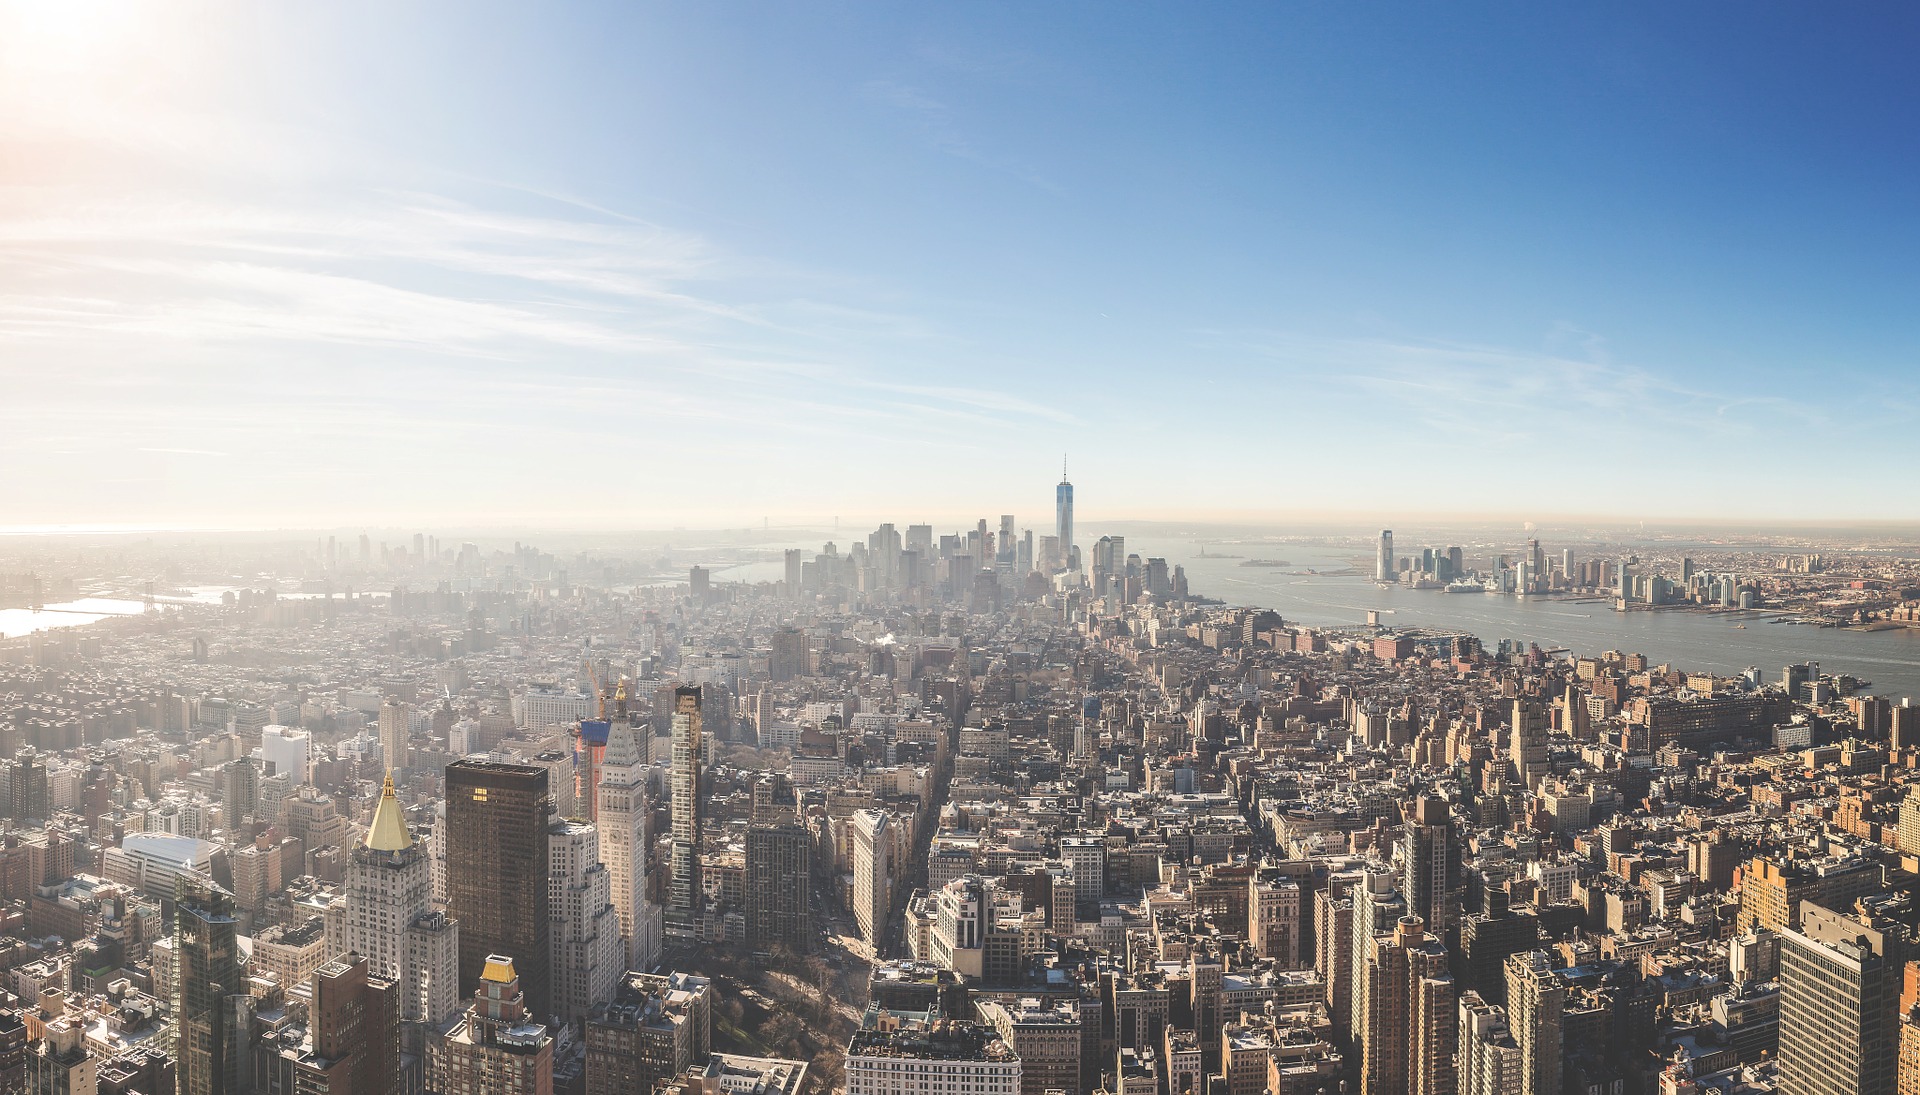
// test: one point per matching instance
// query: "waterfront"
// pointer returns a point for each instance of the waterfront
(1688, 639)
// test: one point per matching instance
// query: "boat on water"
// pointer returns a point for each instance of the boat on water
(1465, 587)
(1739, 627)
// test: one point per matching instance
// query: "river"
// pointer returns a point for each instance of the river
(1687, 639)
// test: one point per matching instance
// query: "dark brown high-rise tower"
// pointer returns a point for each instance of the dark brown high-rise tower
(497, 871)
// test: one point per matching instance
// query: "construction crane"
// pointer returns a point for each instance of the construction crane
(599, 693)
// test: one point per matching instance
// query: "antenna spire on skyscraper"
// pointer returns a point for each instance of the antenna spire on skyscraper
(1063, 467)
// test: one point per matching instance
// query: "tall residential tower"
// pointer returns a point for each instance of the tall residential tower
(683, 899)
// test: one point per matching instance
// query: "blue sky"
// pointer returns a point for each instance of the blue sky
(640, 265)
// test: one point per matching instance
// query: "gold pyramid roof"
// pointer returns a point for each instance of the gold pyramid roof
(389, 832)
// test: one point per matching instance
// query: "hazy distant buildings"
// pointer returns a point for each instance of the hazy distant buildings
(396, 728)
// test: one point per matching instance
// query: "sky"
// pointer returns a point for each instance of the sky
(636, 265)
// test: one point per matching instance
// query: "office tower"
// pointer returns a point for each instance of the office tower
(794, 559)
(1383, 559)
(1491, 936)
(241, 793)
(285, 750)
(1840, 983)
(1004, 544)
(396, 730)
(763, 716)
(1087, 855)
(498, 1047)
(497, 871)
(588, 955)
(699, 584)
(391, 921)
(873, 875)
(789, 655)
(356, 1034)
(1527, 742)
(653, 1029)
(1273, 918)
(1430, 858)
(60, 1063)
(212, 1009)
(623, 845)
(1407, 1031)
(1566, 564)
(683, 898)
(779, 887)
(1489, 1057)
(1063, 518)
(1536, 997)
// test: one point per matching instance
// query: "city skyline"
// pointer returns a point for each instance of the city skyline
(348, 265)
(532, 560)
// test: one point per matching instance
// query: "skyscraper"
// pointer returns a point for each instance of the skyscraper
(683, 899)
(873, 874)
(779, 887)
(356, 1032)
(623, 845)
(1383, 561)
(588, 955)
(214, 1012)
(1840, 981)
(1063, 517)
(1527, 741)
(1489, 1058)
(497, 873)
(1536, 998)
(793, 560)
(1411, 1022)
(391, 920)
(1430, 854)
(396, 727)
